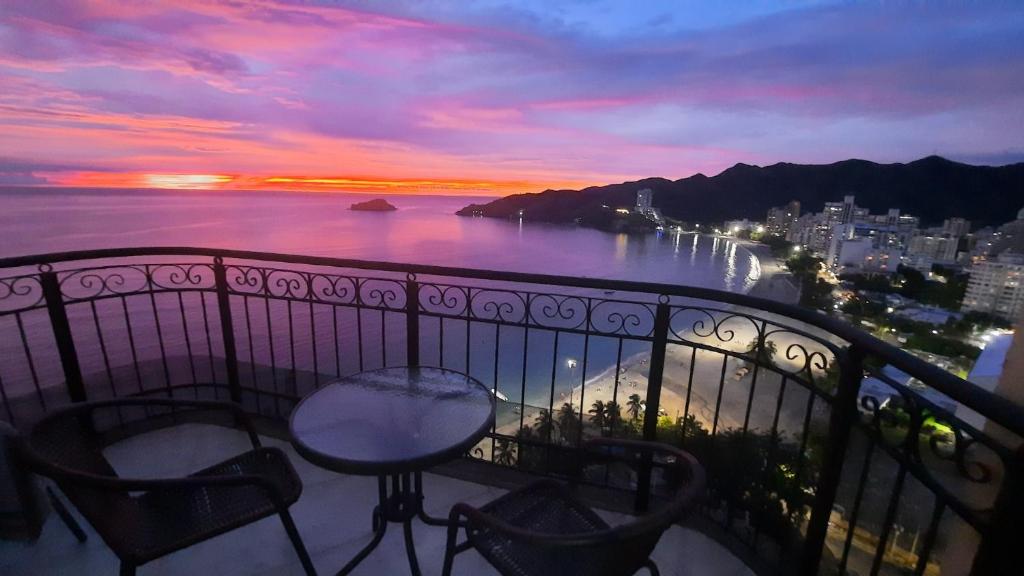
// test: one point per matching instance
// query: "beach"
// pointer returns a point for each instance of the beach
(724, 391)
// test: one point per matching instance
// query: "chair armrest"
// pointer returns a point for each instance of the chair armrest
(479, 519)
(116, 483)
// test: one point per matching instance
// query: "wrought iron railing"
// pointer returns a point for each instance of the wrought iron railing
(828, 451)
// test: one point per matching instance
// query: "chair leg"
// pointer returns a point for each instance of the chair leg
(65, 515)
(450, 549)
(127, 569)
(652, 567)
(300, 548)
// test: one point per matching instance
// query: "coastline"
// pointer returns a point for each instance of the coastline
(775, 282)
(702, 382)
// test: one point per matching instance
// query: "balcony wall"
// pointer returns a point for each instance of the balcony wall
(827, 450)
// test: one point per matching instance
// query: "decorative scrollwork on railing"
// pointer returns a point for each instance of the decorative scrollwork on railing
(182, 277)
(245, 279)
(317, 287)
(497, 305)
(444, 300)
(621, 318)
(943, 448)
(558, 311)
(20, 293)
(730, 331)
(381, 293)
(90, 283)
(332, 289)
(287, 284)
(801, 357)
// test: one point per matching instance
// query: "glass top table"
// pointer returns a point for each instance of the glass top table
(393, 423)
(392, 420)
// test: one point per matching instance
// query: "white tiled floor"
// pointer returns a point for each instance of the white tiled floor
(333, 517)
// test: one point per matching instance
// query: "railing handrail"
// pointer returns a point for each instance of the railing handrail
(994, 407)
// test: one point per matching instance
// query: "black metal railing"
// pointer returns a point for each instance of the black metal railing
(828, 451)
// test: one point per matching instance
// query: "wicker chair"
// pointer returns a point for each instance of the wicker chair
(543, 529)
(144, 519)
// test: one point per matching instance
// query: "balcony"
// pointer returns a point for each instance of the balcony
(827, 450)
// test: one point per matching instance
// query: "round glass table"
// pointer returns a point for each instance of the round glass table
(392, 423)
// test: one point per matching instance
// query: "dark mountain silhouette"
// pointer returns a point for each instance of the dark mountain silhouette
(932, 188)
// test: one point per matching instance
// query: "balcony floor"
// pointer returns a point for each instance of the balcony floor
(333, 516)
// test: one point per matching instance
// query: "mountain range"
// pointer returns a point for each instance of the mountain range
(931, 188)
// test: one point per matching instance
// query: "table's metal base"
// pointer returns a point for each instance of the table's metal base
(400, 504)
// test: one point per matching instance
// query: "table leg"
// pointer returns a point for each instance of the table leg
(402, 504)
(424, 517)
(378, 535)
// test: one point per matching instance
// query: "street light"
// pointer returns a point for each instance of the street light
(570, 363)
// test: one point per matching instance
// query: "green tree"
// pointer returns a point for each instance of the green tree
(568, 423)
(634, 407)
(504, 452)
(528, 455)
(543, 425)
(598, 414)
(612, 415)
(762, 352)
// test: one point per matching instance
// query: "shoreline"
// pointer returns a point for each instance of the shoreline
(775, 281)
(709, 372)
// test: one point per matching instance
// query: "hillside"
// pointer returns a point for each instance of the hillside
(932, 188)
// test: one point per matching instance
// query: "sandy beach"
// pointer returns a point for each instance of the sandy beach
(731, 384)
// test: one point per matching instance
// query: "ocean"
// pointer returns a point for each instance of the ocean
(423, 230)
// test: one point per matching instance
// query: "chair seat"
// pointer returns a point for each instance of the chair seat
(543, 507)
(170, 520)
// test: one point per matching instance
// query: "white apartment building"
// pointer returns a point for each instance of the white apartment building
(997, 286)
(931, 247)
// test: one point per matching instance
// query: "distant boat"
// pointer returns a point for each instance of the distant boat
(499, 395)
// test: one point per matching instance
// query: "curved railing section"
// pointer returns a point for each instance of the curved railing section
(827, 450)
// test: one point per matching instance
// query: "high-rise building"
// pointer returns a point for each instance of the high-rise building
(997, 286)
(930, 247)
(958, 227)
(643, 200)
(781, 218)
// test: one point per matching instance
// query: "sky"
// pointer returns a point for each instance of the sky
(494, 97)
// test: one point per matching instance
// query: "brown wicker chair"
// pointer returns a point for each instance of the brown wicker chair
(144, 519)
(543, 529)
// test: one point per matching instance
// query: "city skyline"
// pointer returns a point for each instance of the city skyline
(488, 99)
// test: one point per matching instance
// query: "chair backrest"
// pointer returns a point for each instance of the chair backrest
(67, 443)
(675, 479)
(674, 482)
(70, 442)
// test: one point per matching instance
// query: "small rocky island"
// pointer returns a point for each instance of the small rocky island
(377, 205)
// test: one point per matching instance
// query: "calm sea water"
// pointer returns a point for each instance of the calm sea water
(423, 230)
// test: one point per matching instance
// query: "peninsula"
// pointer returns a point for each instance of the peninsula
(931, 188)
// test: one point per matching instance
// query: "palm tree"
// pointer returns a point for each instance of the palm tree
(568, 423)
(763, 352)
(597, 414)
(612, 415)
(504, 452)
(634, 407)
(543, 424)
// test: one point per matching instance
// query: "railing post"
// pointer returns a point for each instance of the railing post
(844, 416)
(1001, 543)
(227, 328)
(62, 333)
(412, 321)
(662, 317)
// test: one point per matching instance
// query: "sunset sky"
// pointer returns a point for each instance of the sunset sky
(494, 97)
